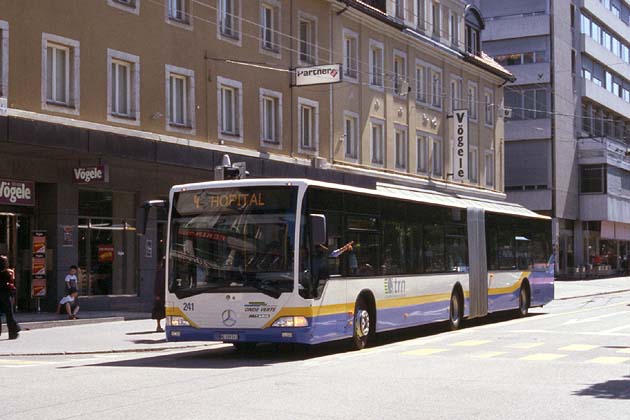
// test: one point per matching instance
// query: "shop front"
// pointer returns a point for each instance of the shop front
(606, 248)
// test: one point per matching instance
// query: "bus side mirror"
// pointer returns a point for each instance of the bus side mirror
(144, 215)
(318, 229)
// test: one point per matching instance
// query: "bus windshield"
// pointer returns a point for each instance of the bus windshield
(232, 240)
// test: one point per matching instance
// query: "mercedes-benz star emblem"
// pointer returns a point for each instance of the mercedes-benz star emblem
(228, 317)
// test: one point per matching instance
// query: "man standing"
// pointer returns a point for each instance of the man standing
(6, 281)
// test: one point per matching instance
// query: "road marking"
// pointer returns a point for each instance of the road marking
(593, 318)
(598, 333)
(613, 330)
(488, 354)
(611, 360)
(544, 356)
(470, 343)
(424, 352)
(524, 346)
(624, 351)
(578, 347)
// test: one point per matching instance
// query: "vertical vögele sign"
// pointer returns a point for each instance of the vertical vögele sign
(460, 151)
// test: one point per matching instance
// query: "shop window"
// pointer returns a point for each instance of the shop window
(107, 243)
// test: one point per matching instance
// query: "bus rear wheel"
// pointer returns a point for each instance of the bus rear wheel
(523, 301)
(362, 324)
(456, 311)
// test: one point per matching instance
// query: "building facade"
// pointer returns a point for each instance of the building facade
(105, 104)
(567, 138)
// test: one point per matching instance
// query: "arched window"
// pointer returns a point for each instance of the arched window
(474, 26)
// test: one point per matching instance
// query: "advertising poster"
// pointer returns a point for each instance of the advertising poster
(105, 253)
(68, 236)
(38, 265)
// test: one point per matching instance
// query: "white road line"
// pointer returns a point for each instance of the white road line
(613, 330)
(598, 333)
(594, 318)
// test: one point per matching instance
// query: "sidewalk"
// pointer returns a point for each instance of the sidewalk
(35, 320)
(584, 288)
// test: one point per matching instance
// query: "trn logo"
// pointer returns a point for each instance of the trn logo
(395, 287)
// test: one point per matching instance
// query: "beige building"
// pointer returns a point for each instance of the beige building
(154, 92)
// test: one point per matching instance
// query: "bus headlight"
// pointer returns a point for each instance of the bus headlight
(290, 322)
(176, 321)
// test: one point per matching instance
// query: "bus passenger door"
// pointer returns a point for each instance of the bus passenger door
(478, 264)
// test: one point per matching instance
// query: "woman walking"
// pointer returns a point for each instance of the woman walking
(159, 293)
(7, 277)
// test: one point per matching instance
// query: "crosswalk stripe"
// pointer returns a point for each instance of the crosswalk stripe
(470, 343)
(488, 354)
(611, 360)
(543, 356)
(524, 346)
(578, 347)
(424, 352)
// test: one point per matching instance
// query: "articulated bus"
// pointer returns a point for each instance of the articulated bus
(301, 261)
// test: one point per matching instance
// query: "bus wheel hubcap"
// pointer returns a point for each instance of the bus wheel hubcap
(455, 309)
(362, 322)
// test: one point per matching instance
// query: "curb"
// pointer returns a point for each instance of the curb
(594, 294)
(114, 351)
(38, 325)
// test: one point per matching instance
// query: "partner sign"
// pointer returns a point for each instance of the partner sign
(460, 151)
(318, 75)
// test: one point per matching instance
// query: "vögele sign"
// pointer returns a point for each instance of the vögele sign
(17, 193)
(460, 157)
(90, 174)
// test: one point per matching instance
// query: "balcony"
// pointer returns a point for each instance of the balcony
(603, 55)
(516, 27)
(529, 74)
(605, 98)
(599, 150)
(597, 9)
(528, 129)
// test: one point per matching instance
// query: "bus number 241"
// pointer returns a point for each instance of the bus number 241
(189, 306)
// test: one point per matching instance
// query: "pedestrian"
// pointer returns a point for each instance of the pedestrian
(72, 279)
(68, 304)
(159, 294)
(7, 277)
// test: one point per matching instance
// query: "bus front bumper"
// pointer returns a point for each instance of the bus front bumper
(267, 335)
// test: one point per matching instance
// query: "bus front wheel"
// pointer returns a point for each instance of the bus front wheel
(523, 301)
(362, 324)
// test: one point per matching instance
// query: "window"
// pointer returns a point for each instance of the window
(132, 6)
(422, 153)
(473, 164)
(436, 88)
(270, 27)
(400, 74)
(60, 71)
(179, 11)
(350, 55)
(351, 135)
(420, 14)
(376, 64)
(456, 93)
(270, 117)
(4, 58)
(401, 148)
(230, 99)
(229, 19)
(123, 96)
(436, 19)
(593, 179)
(399, 9)
(308, 124)
(436, 157)
(180, 95)
(377, 142)
(421, 83)
(472, 101)
(453, 29)
(489, 168)
(527, 103)
(308, 39)
(488, 99)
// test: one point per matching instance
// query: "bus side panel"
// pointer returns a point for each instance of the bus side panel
(503, 289)
(407, 300)
(542, 287)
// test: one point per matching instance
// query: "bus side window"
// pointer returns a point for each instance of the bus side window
(394, 237)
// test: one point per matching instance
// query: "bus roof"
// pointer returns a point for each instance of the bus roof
(382, 190)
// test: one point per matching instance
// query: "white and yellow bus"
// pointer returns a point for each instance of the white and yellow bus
(301, 261)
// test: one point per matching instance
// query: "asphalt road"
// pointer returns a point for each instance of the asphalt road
(570, 360)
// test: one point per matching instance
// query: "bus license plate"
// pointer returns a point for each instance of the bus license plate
(228, 337)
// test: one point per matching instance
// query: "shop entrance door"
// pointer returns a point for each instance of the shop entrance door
(15, 243)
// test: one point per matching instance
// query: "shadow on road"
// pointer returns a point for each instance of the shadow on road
(618, 389)
(144, 332)
(227, 357)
